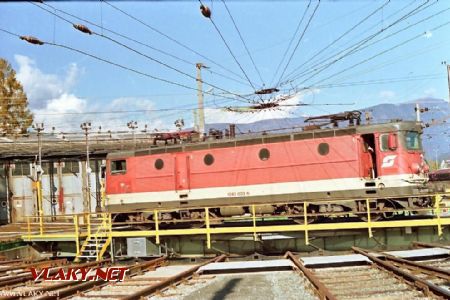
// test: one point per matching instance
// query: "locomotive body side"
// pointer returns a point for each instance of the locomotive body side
(346, 164)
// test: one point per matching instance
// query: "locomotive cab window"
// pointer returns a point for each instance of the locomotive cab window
(118, 166)
(384, 142)
(412, 140)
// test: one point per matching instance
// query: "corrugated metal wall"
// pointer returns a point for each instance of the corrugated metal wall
(62, 185)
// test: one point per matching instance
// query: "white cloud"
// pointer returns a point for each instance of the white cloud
(53, 102)
(41, 87)
(386, 95)
(430, 92)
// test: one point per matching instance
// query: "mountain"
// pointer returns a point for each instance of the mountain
(436, 138)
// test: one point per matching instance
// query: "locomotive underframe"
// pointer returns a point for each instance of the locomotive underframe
(321, 204)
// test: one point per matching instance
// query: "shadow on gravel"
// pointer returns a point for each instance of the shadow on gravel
(227, 289)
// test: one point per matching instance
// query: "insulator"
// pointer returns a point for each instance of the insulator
(206, 12)
(82, 28)
(31, 40)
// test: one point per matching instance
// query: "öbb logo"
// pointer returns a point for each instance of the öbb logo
(388, 161)
(80, 274)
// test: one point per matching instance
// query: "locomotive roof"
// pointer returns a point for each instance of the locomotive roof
(253, 139)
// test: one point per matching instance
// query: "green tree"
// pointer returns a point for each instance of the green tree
(15, 117)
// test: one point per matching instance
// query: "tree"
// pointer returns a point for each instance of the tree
(15, 117)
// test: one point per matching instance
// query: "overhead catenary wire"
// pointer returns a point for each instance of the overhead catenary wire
(344, 34)
(298, 42)
(228, 47)
(110, 62)
(291, 41)
(390, 35)
(103, 28)
(132, 49)
(323, 64)
(170, 38)
(381, 53)
(243, 42)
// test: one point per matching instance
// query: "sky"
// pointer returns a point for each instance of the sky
(399, 63)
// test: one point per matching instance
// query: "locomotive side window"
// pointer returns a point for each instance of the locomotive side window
(264, 154)
(384, 142)
(159, 164)
(118, 166)
(412, 140)
(323, 148)
(208, 159)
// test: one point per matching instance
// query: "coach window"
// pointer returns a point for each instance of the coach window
(323, 148)
(384, 142)
(159, 164)
(208, 159)
(264, 154)
(118, 166)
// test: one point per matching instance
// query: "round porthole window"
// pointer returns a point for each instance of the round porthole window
(208, 159)
(323, 148)
(3, 204)
(264, 154)
(159, 164)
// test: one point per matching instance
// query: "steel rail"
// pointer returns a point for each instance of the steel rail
(429, 245)
(54, 287)
(441, 273)
(170, 280)
(417, 282)
(322, 290)
(18, 278)
(76, 287)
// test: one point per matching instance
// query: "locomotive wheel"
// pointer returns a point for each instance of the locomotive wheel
(373, 216)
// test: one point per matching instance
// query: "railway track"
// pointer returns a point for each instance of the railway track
(364, 275)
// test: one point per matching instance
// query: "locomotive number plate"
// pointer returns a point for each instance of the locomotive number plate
(238, 194)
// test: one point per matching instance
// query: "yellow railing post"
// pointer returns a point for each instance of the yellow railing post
(110, 225)
(77, 238)
(208, 233)
(88, 223)
(97, 253)
(29, 228)
(305, 220)
(437, 211)
(255, 237)
(369, 220)
(155, 218)
(40, 212)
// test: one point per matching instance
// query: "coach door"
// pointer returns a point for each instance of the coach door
(182, 172)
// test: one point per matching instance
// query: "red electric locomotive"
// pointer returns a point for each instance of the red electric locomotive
(381, 162)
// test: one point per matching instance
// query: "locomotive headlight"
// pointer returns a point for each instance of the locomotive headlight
(416, 168)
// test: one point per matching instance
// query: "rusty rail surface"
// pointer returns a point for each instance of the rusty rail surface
(53, 287)
(76, 287)
(417, 282)
(441, 273)
(429, 245)
(323, 291)
(26, 275)
(171, 280)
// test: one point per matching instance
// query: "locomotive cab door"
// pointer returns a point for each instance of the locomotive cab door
(369, 156)
(182, 172)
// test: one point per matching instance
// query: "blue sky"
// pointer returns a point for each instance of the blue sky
(60, 82)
